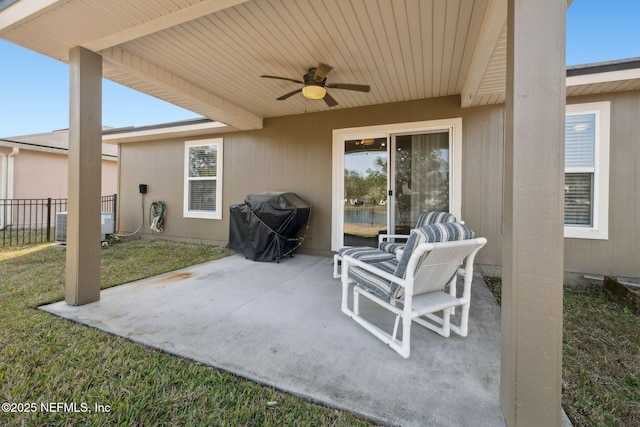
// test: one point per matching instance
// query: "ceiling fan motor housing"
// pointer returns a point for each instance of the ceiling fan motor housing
(310, 78)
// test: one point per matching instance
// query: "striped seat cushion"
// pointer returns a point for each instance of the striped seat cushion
(366, 254)
(374, 283)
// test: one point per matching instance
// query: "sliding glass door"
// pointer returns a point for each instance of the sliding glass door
(365, 190)
(380, 199)
(420, 177)
(386, 176)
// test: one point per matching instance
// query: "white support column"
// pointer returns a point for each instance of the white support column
(85, 163)
(531, 360)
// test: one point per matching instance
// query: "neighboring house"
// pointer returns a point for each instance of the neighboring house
(36, 166)
(294, 154)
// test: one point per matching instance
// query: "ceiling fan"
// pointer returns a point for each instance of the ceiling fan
(315, 85)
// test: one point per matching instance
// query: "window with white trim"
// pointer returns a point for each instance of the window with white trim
(203, 179)
(586, 189)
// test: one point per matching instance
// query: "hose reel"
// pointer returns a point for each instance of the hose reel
(156, 216)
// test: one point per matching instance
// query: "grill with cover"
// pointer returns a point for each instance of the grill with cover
(264, 228)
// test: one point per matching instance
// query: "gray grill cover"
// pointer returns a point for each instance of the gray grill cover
(264, 228)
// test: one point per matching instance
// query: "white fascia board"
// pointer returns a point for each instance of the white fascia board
(165, 132)
(610, 76)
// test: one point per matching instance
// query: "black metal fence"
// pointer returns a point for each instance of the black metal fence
(26, 221)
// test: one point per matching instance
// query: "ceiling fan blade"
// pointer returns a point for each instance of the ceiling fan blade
(287, 95)
(322, 70)
(349, 86)
(283, 78)
(329, 100)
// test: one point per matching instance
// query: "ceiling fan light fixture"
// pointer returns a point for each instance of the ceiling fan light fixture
(314, 85)
(314, 92)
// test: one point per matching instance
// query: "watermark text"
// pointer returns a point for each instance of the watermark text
(55, 407)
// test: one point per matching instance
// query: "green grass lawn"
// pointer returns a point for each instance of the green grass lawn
(601, 359)
(51, 364)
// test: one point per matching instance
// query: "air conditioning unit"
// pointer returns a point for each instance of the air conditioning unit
(107, 225)
(61, 227)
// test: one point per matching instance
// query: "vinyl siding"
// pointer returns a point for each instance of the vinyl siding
(620, 254)
(293, 153)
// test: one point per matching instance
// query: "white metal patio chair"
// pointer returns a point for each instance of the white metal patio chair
(388, 246)
(413, 288)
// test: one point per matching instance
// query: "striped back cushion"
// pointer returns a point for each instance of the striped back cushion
(435, 217)
(442, 232)
(447, 232)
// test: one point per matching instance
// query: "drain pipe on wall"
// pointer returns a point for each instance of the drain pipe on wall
(3, 185)
(10, 171)
(139, 227)
(7, 165)
(143, 190)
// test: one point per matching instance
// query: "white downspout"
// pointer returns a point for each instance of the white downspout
(10, 181)
(10, 171)
(3, 186)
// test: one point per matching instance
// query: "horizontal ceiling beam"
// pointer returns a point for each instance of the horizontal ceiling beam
(495, 20)
(194, 98)
(162, 23)
(493, 27)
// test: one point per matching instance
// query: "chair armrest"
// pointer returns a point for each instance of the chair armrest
(382, 237)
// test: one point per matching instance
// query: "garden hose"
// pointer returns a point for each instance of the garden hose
(156, 216)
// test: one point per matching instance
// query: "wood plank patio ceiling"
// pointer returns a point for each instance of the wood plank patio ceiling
(207, 56)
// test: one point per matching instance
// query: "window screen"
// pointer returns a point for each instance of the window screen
(580, 139)
(202, 178)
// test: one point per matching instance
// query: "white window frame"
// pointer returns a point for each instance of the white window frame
(599, 230)
(217, 214)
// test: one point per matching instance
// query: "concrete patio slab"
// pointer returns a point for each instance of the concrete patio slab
(281, 325)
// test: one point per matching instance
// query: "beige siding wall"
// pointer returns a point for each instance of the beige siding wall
(620, 254)
(39, 174)
(482, 190)
(289, 154)
(294, 154)
(109, 177)
(482, 160)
